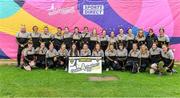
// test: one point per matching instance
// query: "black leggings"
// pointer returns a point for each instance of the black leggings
(40, 62)
(121, 61)
(50, 63)
(131, 61)
(92, 45)
(64, 60)
(167, 62)
(104, 45)
(28, 59)
(20, 49)
(68, 42)
(144, 64)
(112, 64)
(155, 59)
(19, 54)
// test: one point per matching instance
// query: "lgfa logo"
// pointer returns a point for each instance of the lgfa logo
(65, 10)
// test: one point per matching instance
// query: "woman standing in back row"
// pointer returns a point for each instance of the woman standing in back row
(67, 38)
(104, 40)
(121, 37)
(22, 38)
(85, 37)
(76, 37)
(151, 38)
(94, 39)
(129, 39)
(140, 38)
(35, 35)
(112, 39)
(46, 36)
(58, 38)
(162, 38)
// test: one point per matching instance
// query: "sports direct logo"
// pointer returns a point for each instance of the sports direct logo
(93, 9)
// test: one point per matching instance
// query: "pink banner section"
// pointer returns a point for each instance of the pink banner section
(156, 16)
(176, 49)
(70, 18)
(174, 6)
(8, 45)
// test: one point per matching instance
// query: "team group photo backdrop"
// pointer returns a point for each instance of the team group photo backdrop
(99, 14)
(85, 77)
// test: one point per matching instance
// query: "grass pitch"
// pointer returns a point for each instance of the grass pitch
(15, 82)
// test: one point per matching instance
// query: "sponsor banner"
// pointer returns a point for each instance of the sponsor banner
(85, 65)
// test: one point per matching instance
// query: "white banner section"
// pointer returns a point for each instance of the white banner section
(85, 65)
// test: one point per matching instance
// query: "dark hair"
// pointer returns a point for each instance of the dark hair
(85, 27)
(59, 28)
(76, 28)
(155, 43)
(135, 44)
(66, 27)
(165, 45)
(139, 31)
(95, 46)
(46, 27)
(133, 49)
(150, 29)
(161, 29)
(34, 27)
(51, 43)
(75, 51)
(103, 30)
(121, 44)
(129, 29)
(121, 28)
(85, 44)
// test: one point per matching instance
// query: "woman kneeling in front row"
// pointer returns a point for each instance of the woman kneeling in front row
(111, 60)
(122, 56)
(133, 60)
(98, 52)
(29, 57)
(51, 57)
(63, 57)
(168, 58)
(144, 58)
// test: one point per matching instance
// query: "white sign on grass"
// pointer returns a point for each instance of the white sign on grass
(85, 65)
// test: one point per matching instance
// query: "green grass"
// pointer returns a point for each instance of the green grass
(15, 82)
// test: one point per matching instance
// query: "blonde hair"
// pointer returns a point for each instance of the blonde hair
(63, 45)
(112, 32)
(145, 50)
(94, 32)
(138, 35)
(109, 44)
